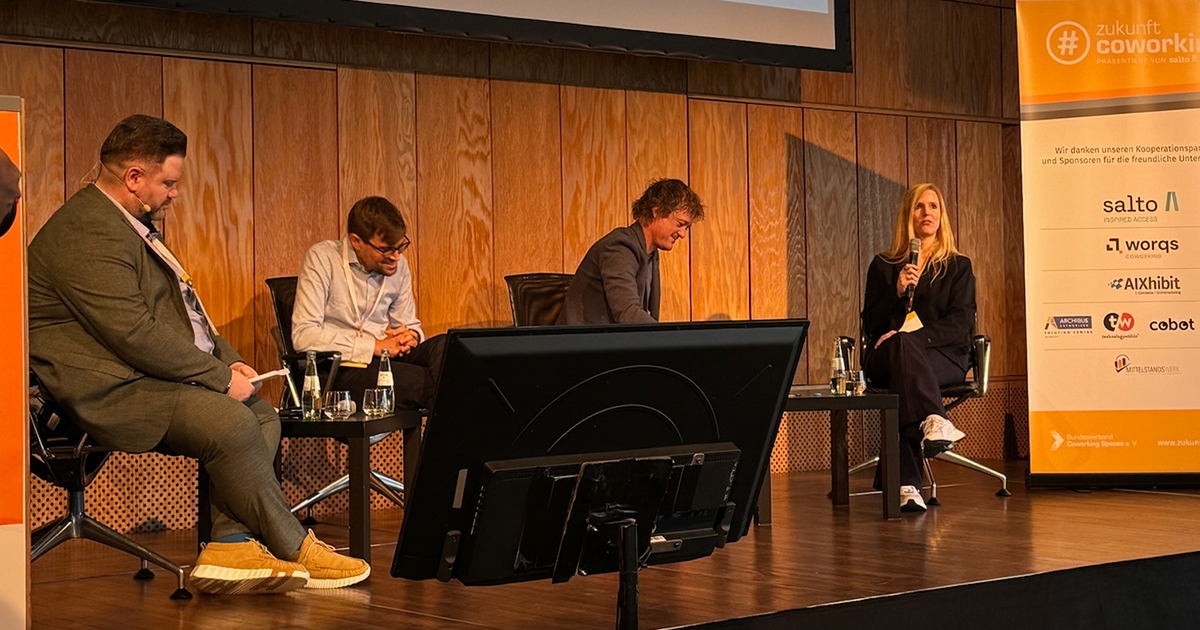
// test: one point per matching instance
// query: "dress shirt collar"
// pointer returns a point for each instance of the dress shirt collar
(141, 228)
(350, 256)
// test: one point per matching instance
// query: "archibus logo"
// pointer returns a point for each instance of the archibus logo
(1068, 324)
(1068, 43)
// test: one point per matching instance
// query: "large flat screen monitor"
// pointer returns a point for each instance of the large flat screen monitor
(518, 393)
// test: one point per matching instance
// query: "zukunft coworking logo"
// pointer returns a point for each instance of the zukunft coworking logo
(1068, 42)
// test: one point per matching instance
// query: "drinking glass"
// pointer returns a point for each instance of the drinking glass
(858, 382)
(338, 405)
(376, 402)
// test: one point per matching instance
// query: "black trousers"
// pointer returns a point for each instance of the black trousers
(916, 374)
(415, 375)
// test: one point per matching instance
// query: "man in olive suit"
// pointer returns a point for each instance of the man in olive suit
(119, 337)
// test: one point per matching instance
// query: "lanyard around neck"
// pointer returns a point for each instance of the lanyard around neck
(362, 316)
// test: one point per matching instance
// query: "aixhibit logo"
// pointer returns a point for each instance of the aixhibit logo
(1134, 248)
(1118, 326)
(1068, 42)
(1148, 285)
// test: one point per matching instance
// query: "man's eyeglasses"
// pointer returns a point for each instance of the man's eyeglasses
(389, 252)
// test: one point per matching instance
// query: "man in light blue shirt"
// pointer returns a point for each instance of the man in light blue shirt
(354, 295)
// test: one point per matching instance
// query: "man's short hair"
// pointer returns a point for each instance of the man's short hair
(371, 216)
(140, 137)
(665, 196)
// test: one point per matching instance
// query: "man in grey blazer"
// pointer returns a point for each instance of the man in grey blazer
(617, 282)
(119, 337)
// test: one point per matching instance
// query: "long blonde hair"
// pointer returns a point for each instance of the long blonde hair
(943, 247)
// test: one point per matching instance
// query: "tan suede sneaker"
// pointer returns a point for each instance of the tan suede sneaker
(327, 568)
(244, 568)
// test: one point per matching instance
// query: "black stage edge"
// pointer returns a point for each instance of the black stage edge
(1112, 480)
(1159, 593)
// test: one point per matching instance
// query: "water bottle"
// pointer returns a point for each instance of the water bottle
(310, 399)
(385, 380)
(837, 371)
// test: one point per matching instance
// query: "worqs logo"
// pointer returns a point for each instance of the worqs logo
(1142, 248)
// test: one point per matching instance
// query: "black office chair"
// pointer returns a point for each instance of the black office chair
(283, 298)
(63, 455)
(957, 393)
(537, 298)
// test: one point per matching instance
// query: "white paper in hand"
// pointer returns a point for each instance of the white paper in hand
(268, 375)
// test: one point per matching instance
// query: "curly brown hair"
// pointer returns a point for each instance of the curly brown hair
(665, 196)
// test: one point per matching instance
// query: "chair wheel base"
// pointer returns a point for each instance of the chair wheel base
(143, 574)
(1003, 492)
(933, 501)
(181, 593)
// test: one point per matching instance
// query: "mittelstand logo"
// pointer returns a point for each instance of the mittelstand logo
(1057, 325)
(1122, 364)
(1147, 285)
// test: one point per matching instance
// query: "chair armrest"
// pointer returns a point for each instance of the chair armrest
(981, 351)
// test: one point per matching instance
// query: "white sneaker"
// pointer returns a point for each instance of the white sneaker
(940, 435)
(910, 499)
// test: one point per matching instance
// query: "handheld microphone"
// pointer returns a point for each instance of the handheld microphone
(914, 249)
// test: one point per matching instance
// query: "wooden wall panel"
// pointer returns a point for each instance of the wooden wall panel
(929, 56)
(882, 180)
(295, 182)
(376, 115)
(212, 220)
(1009, 75)
(831, 206)
(527, 183)
(114, 24)
(744, 80)
(36, 75)
(100, 89)
(775, 165)
(1014, 250)
(776, 189)
(981, 207)
(720, 243)
(593, 169)
(454, 193)
(836, 88)
(657, 139)
(932, 157)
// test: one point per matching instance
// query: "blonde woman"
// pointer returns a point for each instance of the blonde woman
(916, 364)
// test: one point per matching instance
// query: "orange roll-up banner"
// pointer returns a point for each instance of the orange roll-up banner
(1110, 141)
(14, 392)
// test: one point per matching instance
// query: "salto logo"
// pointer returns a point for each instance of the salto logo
(1068, 42)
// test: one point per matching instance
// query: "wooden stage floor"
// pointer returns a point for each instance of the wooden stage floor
(812, 554)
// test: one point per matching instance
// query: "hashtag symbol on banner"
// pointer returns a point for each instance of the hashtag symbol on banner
(1068, 43)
